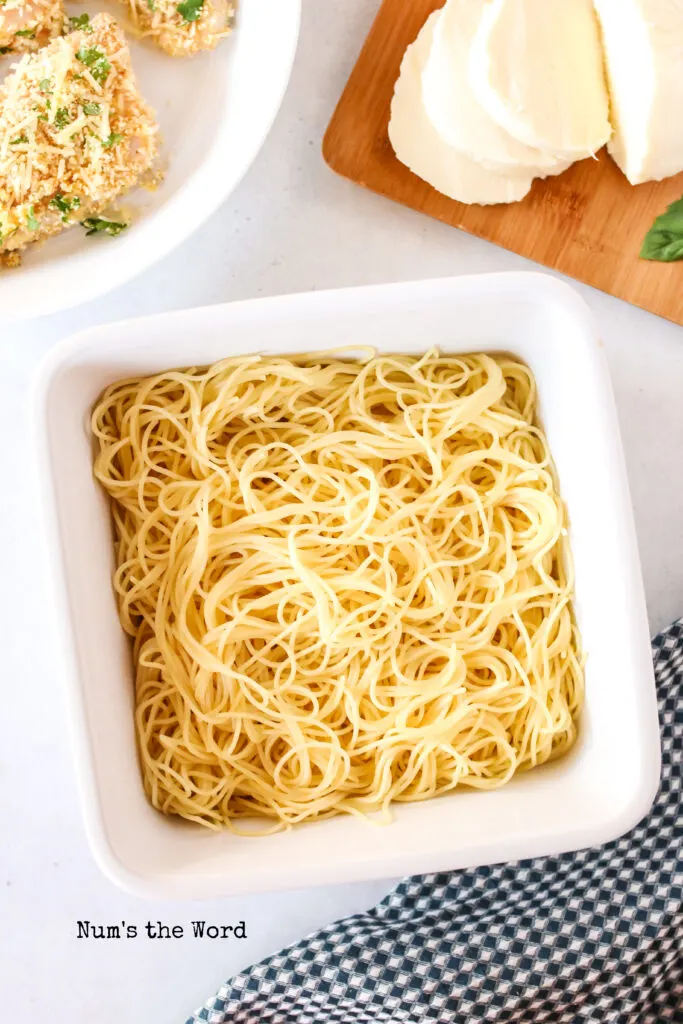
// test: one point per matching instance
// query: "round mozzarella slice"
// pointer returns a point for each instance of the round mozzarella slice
(643, 42)
(419, 146)
(536, 66)
(453, 107)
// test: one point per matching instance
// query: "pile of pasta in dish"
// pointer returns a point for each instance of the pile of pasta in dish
(75, 133)
(348, 582)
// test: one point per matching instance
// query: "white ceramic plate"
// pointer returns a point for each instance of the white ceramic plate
(215, 111)
(597, 792)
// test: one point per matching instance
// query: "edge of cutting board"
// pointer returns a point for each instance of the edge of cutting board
(588, 223)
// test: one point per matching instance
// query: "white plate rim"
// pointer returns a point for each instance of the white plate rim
(21, 294)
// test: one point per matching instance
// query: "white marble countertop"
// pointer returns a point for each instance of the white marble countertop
(291, 226)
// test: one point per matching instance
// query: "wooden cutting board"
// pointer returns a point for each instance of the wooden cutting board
(588, 222)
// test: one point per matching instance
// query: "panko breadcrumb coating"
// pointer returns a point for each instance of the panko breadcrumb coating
(183, 28)
(74, 134)
(29, 24)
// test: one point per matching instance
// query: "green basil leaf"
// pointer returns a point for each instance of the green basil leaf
(664, 240)
(663, 247)
(61, 119)
(96, 61)
(65, 204)
(100, 225)
(190, 10)
(26, 33)
(113, 140)
(81, 22)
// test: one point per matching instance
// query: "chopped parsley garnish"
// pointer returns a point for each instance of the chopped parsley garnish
(190, 10)
(81, 22)
(95, 60)
(26, 33)
(31, 223)
(19, 138)
(100, 225)
(65, 204)
(62, 118)
(113, 140)
(151, 5)
(91, 109)
(45, 85)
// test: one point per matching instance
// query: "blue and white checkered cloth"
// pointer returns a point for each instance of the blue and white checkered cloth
(590, 936)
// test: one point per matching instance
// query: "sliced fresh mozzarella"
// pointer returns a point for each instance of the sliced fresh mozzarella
(452, 106)
(537, 68)
(419, 146)
(643, 42)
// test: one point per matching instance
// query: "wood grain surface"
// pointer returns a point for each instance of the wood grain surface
(589, 222)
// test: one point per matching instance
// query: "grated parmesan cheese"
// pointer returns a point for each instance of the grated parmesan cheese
(27, 25)
(183, 27)
(74, 133)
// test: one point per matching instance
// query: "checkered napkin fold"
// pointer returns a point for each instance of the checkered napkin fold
(590, 936)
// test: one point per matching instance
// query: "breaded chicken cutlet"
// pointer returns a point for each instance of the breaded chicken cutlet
(183, 28)
(29, 24)
(75, 133)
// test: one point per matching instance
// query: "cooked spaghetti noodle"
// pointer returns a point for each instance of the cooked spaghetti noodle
(348, 582)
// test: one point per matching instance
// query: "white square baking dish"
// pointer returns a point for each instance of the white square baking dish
(601, 789)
